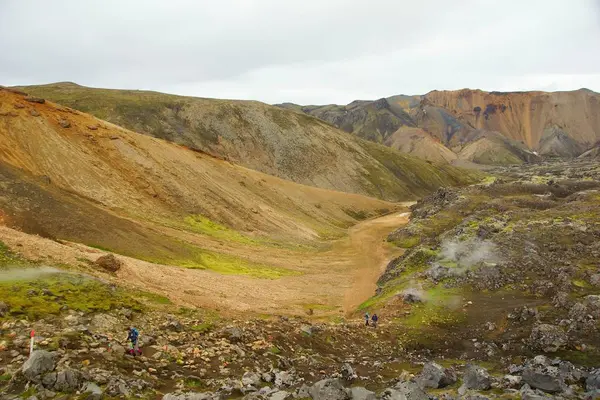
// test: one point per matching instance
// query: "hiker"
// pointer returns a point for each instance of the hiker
(367, 316)
(132, 337)
(374, 318)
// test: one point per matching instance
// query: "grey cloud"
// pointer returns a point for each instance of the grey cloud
(302, 51)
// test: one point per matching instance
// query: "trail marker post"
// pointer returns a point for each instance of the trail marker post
(31, 342)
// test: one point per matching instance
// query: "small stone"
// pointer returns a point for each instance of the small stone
(348, 373)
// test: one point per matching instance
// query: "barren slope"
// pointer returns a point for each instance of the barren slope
(68, 175)
(417, 142)
(265, 138)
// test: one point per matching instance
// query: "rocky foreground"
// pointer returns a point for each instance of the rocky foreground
(82, 356)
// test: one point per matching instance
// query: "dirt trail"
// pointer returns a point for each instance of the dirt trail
(332, 282)
(372, 254)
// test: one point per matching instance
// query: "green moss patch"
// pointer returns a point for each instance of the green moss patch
(37, 298)
(232, 265)
(201, 224)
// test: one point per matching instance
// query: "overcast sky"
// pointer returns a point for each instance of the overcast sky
(303, 51)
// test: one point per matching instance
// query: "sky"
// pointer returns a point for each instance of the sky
(306, 52)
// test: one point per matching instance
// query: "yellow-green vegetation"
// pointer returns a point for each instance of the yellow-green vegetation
(7, 257)
(49, 295)
(203, 327)
(428, 321)
(407, 242)
(201, 224)
(416, 261)
(151, 298)
(232, 265)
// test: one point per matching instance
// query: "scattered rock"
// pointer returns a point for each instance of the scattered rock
(280, 395)
(174, 325)
(593, 380)
(477, 378)
(93, 391)
(284, 363)
(4, 308)
(405, 391)
(64, 123)
(49, 380)
(191, 396)
(435, 376)
(512, 381)
(283, 378)
(34, 112)
(40, 362)
(104, 323)
(307, 330)
(251, 379)
(348, 373)
(548, 338)
(360, 393)
(234, 334)
(92, 127)
(328, 389)
(68, 381)
(546, 378)
(32, 99)
(437, 272)
(411, 296)
(109, 263)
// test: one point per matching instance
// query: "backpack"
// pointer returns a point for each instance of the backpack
(134, 334)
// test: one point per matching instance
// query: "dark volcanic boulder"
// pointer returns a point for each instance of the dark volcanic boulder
(328, 389)
(360, 393)
(40, 362)
(435, 376)
(477, 378)
(68, 381)
(405, 391)
(548, 338)
(109, 263)
(546, 378)
(593, 380)
(32, 99)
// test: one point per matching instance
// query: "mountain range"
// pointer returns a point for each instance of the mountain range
(473, 125)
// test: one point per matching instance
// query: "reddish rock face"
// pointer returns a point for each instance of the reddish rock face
(524, 116)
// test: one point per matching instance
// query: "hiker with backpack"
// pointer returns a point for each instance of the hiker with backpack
(367, 316)
(132, 338)
(374, 319)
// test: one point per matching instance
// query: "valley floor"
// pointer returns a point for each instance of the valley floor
(328, 283)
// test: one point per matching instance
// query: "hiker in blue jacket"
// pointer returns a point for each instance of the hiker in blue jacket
(133, 337)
